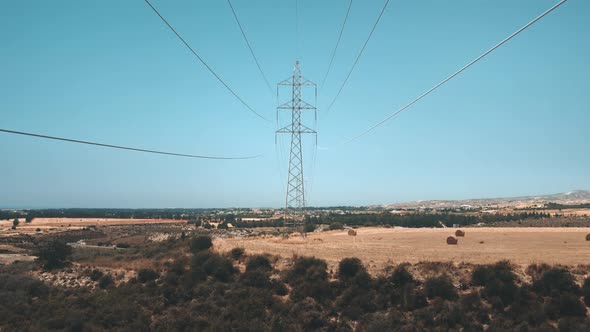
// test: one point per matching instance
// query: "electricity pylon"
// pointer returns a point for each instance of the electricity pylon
(295, 200)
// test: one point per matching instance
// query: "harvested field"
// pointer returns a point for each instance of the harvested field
(570, 212)
(378, 247)
(61, 224)
(6, 259)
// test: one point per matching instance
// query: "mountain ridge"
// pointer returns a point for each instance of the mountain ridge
(570, 197)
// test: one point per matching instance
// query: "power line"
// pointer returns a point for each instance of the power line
(458, 71)
(123, 147)
(359, 55)
(250, 48)
(204, 63)
(337, 43)
(297, 29)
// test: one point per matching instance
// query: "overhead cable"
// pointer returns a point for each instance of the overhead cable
(358, 56)
(123, 147)
(337, 43)
(250, 48)
(457, 72)
(204, 63)
(297, 29)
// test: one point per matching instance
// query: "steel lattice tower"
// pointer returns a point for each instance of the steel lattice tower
(295, 200)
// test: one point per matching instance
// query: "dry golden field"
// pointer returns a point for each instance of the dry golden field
(61, 224)
(378, 247)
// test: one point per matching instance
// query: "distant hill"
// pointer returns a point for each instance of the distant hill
(571, 197)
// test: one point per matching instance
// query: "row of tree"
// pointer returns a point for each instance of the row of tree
(423, 219)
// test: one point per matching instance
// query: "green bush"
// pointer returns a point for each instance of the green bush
(53, 254)
(570, 305)
(336, 225)
(309, 278)
(237, 253)
(279, 287)
(258, 262)
(551, 308)
(105, 281)
(95, 275)
(471, 303)
(401, 276)
(123, 245)
(586, 291)
(256, 278)
(308, 228)
(526, 307)
(556, 281)
(309, 314)
(348, 268)
(307, 267)
(440, 286)
(201, 243)
(205, 263)
(498, 280)
(145, 275)
(570, 324)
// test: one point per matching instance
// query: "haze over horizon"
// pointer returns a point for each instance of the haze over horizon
(515, 124)
(585, 192)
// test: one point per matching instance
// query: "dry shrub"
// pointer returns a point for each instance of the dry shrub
(586, 291)
(237, 253)
(429, 267)
(555, 281)
(440, 286)
(349, 268)
(536, 271)
(259, 262)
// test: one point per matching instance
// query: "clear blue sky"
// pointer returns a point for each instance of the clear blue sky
(516, 123)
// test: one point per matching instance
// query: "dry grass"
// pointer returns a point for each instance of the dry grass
(570, 212)
(6, 259)
(52, 225)
(378, 247)
(123, 265)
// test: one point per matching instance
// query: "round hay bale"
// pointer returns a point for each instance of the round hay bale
(459, 233)
(351, 232)
(588, 237)
(452, 240)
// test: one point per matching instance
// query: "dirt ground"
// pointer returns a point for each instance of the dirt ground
(378, 247)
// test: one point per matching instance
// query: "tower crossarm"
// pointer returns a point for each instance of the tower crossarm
(289, 130)
(302, 105)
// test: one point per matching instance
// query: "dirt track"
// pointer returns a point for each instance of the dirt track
(379, 246)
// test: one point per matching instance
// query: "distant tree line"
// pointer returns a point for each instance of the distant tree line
(422, 219)
(557, 206)
(105, 213)
(238, 223)
(410, 220)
